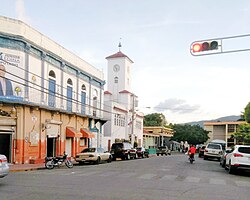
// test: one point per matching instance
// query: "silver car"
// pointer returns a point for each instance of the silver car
(4, 167)
(93, 155)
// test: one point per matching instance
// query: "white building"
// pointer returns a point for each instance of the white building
(121, 104)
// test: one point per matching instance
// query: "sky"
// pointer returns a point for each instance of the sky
(156, 35)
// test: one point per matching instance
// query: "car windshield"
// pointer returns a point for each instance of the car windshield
(88, 150)
(117, 146)
(213, 146)
(244, 150)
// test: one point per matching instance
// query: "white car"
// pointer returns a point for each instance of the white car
(213, 150)
(239, 158)
(4, 167)
(93, 155)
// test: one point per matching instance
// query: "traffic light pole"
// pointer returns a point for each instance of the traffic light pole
(221, 42)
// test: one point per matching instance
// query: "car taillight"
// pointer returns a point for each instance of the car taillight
(3, 160)
(206, 150)
(237, 155)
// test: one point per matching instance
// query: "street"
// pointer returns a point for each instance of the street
(164, 177)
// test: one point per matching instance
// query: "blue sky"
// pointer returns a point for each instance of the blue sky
(156, 35)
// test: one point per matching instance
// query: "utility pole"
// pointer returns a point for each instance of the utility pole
(132, 128)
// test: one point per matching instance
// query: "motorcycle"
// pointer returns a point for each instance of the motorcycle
(191, 158)
(51, 162)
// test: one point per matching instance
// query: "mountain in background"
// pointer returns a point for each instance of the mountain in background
(231, 118)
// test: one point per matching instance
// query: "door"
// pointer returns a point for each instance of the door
(83, 102)
(51, 147)
(52, 91)
(69, 98)
(69, 146)
(5, 145)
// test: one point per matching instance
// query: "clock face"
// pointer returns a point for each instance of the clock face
(116, 68)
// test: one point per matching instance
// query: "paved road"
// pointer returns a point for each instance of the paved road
(156, 178)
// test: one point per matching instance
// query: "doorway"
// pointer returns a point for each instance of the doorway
(51, 147)
(5, 145)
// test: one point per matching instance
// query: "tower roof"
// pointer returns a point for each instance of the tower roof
(119, 54)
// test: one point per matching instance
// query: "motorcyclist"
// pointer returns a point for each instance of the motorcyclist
(192, 151)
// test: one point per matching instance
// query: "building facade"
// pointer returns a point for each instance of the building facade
(125, 122)
(222, 131)
(154, 136)
(51, 101)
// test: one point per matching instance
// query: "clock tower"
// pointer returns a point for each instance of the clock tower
(119, 75)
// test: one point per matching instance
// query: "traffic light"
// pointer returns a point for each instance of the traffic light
(205, 47)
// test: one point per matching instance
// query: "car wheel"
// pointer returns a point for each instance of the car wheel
(97, 162)
(230, 169)
(157, 154)
(109, 160)
(223, 164)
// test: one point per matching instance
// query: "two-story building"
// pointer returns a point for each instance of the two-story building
(51, 100)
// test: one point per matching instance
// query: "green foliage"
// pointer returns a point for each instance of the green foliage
(154, 119)
(247, 113)
(193, 134)
(242, 134)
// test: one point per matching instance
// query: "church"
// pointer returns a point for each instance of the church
(124, 123)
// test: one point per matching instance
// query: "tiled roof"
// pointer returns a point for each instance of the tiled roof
(119, 54)
(107, 92)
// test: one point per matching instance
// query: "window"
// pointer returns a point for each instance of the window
(116, 79)
(69, 95)
(83, 99)
(52, 88)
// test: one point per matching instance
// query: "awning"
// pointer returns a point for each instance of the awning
(72, 132)
(86, 133)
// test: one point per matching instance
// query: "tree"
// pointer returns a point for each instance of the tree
(247, 113)
(193, 134)
(242, 134)
(154, 119)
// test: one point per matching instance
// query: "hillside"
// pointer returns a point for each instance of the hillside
(230, 118)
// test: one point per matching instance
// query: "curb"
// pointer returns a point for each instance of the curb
(27, 169)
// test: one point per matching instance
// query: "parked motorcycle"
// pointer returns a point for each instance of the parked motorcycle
(51, 162)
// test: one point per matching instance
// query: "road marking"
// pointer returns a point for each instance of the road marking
(147, 176)
(242, 183)
(192, 179)
(217, 181)
(169, 177)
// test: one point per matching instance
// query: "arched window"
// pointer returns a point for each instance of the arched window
(52, 88)
(52, 74)
(95, 95)
(83, 99)
(69, 95)
(116, 79)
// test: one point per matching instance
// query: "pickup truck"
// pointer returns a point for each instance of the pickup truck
(163, 150)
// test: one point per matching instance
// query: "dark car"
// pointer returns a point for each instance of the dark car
(142, 152)
(201, 151)
(123, 150)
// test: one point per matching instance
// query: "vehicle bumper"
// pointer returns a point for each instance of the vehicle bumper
(212, 155)
(240, 166)
(4, 172)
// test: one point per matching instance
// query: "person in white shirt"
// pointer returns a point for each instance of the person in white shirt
(5, 84)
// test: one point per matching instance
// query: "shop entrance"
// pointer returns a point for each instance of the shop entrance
(51, 146)
(5, 144)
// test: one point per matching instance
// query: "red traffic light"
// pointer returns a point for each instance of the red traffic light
(203, 47)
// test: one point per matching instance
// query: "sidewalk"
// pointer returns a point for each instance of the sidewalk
(25, 167)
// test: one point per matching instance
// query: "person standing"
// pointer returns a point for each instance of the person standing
(5, 84)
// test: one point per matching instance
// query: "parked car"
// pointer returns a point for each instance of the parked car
(223, 157)
(141, 152)
(238, 158)
(123, 150)
(4, 167)
(213, 150)
(163, 150)
(201, 151)
(93, 155)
